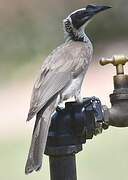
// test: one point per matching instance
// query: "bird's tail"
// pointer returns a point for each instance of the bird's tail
(39, 139)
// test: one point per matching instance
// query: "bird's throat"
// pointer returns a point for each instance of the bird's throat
(76, 35)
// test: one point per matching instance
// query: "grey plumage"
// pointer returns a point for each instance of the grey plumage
(39, 138)
(60, 78)
(55, 76)
(57, 71)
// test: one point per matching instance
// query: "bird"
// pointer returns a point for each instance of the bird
(60, 78)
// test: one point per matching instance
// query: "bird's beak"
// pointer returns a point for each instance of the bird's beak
(82, 16)
(92, 10)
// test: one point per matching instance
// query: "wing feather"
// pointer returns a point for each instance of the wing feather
(56, 73)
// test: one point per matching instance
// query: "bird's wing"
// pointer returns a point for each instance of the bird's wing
(56, 73)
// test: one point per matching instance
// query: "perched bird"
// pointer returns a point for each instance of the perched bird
(60, 78)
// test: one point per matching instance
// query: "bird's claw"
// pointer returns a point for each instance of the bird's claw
(59, 109)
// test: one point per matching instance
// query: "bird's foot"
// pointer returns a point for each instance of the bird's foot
(78, 97)
(59, 109)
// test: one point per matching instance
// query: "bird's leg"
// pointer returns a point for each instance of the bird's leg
(78, 97)
(58, 99)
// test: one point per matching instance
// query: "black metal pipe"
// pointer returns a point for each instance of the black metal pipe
(63, 167)
(70, 127)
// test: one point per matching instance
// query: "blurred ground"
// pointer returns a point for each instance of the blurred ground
(28, 32)
(100, 156)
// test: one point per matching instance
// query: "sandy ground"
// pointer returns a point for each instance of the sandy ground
(15, 97)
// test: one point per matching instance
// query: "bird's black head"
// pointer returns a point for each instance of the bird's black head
(82, 16)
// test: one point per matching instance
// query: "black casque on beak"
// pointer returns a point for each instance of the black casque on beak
(94, 9)
(81, 16)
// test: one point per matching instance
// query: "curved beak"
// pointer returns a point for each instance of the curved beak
(98, 9)
(81, 16)
(92, 10)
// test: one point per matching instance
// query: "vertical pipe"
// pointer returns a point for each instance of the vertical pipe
(63, 167)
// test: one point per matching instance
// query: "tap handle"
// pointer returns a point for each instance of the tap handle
(117, 60)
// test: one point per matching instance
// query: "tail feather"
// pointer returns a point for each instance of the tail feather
(39, 139)
(30, 164)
